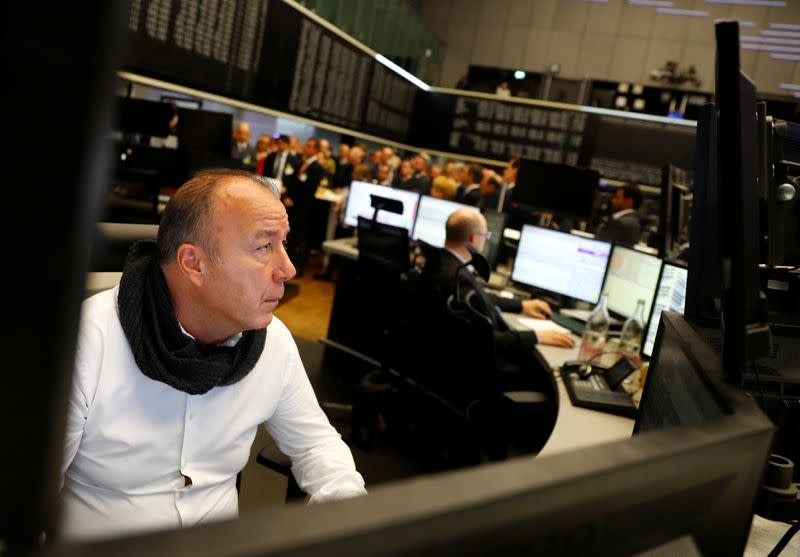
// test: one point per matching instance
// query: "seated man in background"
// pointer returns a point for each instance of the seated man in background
(624, 226)
(178, 366)
(465, 226)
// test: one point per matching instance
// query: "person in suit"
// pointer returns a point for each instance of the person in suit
(624, 226)
(465, 226)
(420, 182)
(469, 192)
(298, 200)
(281, 164)
(241, 150)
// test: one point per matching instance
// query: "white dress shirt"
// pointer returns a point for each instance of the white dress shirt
(131, 442)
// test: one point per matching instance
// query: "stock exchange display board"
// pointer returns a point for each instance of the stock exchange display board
(268, 53)
(620, 148)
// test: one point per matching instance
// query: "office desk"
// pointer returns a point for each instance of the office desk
(575, 427)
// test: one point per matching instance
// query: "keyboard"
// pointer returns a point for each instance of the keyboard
(593, 393)
(574, 325)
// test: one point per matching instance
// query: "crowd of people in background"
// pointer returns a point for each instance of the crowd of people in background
(303, 167)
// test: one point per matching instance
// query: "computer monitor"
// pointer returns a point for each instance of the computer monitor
(432, 216)
(557, 188)
(686, 480)
(144, 117)
(632, 275)
(559, 262)
(670, 296)
(205, 131)
(359, 203)
(496, 223)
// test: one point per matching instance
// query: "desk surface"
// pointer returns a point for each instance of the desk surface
(579, 427)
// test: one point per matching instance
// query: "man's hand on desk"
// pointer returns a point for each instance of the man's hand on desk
(538, 309)
(555, 338)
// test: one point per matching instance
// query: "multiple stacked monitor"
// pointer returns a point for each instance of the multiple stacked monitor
(579, 268)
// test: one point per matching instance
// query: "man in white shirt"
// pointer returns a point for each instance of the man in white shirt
(178, 366)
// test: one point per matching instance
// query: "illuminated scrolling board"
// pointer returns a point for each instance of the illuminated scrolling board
(619, 147)
(330, 77)
(189, 43)
(390, 104)
(500, 129)
(268, 53)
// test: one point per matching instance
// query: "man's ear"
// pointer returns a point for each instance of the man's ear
(192, 262)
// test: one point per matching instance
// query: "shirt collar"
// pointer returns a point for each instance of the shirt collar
(622, 213)
(228, 342)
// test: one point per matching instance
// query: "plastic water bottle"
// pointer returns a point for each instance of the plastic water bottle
(596, 331)
(630, 341)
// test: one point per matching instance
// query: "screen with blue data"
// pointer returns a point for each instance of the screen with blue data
(562, 263)
(632, 275)
(670, 296)
(432, 217)
(359, 203)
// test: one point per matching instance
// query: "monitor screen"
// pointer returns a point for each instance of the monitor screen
(632, 275)
(670, 296)
(553, 187)
(432, 217)
(359, 203)
(562, 263)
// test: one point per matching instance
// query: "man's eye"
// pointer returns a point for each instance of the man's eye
(285, 244)
(265, 248)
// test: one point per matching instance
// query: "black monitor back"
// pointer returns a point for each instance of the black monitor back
(144, 117)
(383, 246)
(557, 188)
(205, 131)
(704, 283)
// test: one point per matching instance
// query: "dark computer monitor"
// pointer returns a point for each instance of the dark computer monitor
(704, 282)
(745, 336)
(432, 215)
(359, 203)
(686, 480)
(562, 263)
(496, 223)
(144, 117)
(670, 296)
(632, 275)
(557, 188)
(205, 131)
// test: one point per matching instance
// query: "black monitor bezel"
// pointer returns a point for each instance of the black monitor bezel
(664, 262)
(616, 314)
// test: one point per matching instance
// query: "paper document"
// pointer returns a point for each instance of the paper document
(541, 325)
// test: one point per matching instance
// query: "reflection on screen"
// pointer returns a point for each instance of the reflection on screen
(632, 275)
(432, 217)
(360, 204)
(670, 296)
(675, 392)
(559, 262)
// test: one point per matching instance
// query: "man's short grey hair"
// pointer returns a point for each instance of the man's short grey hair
(187, 216)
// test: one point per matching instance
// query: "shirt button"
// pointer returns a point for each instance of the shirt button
(191, 416)
(180, 495)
